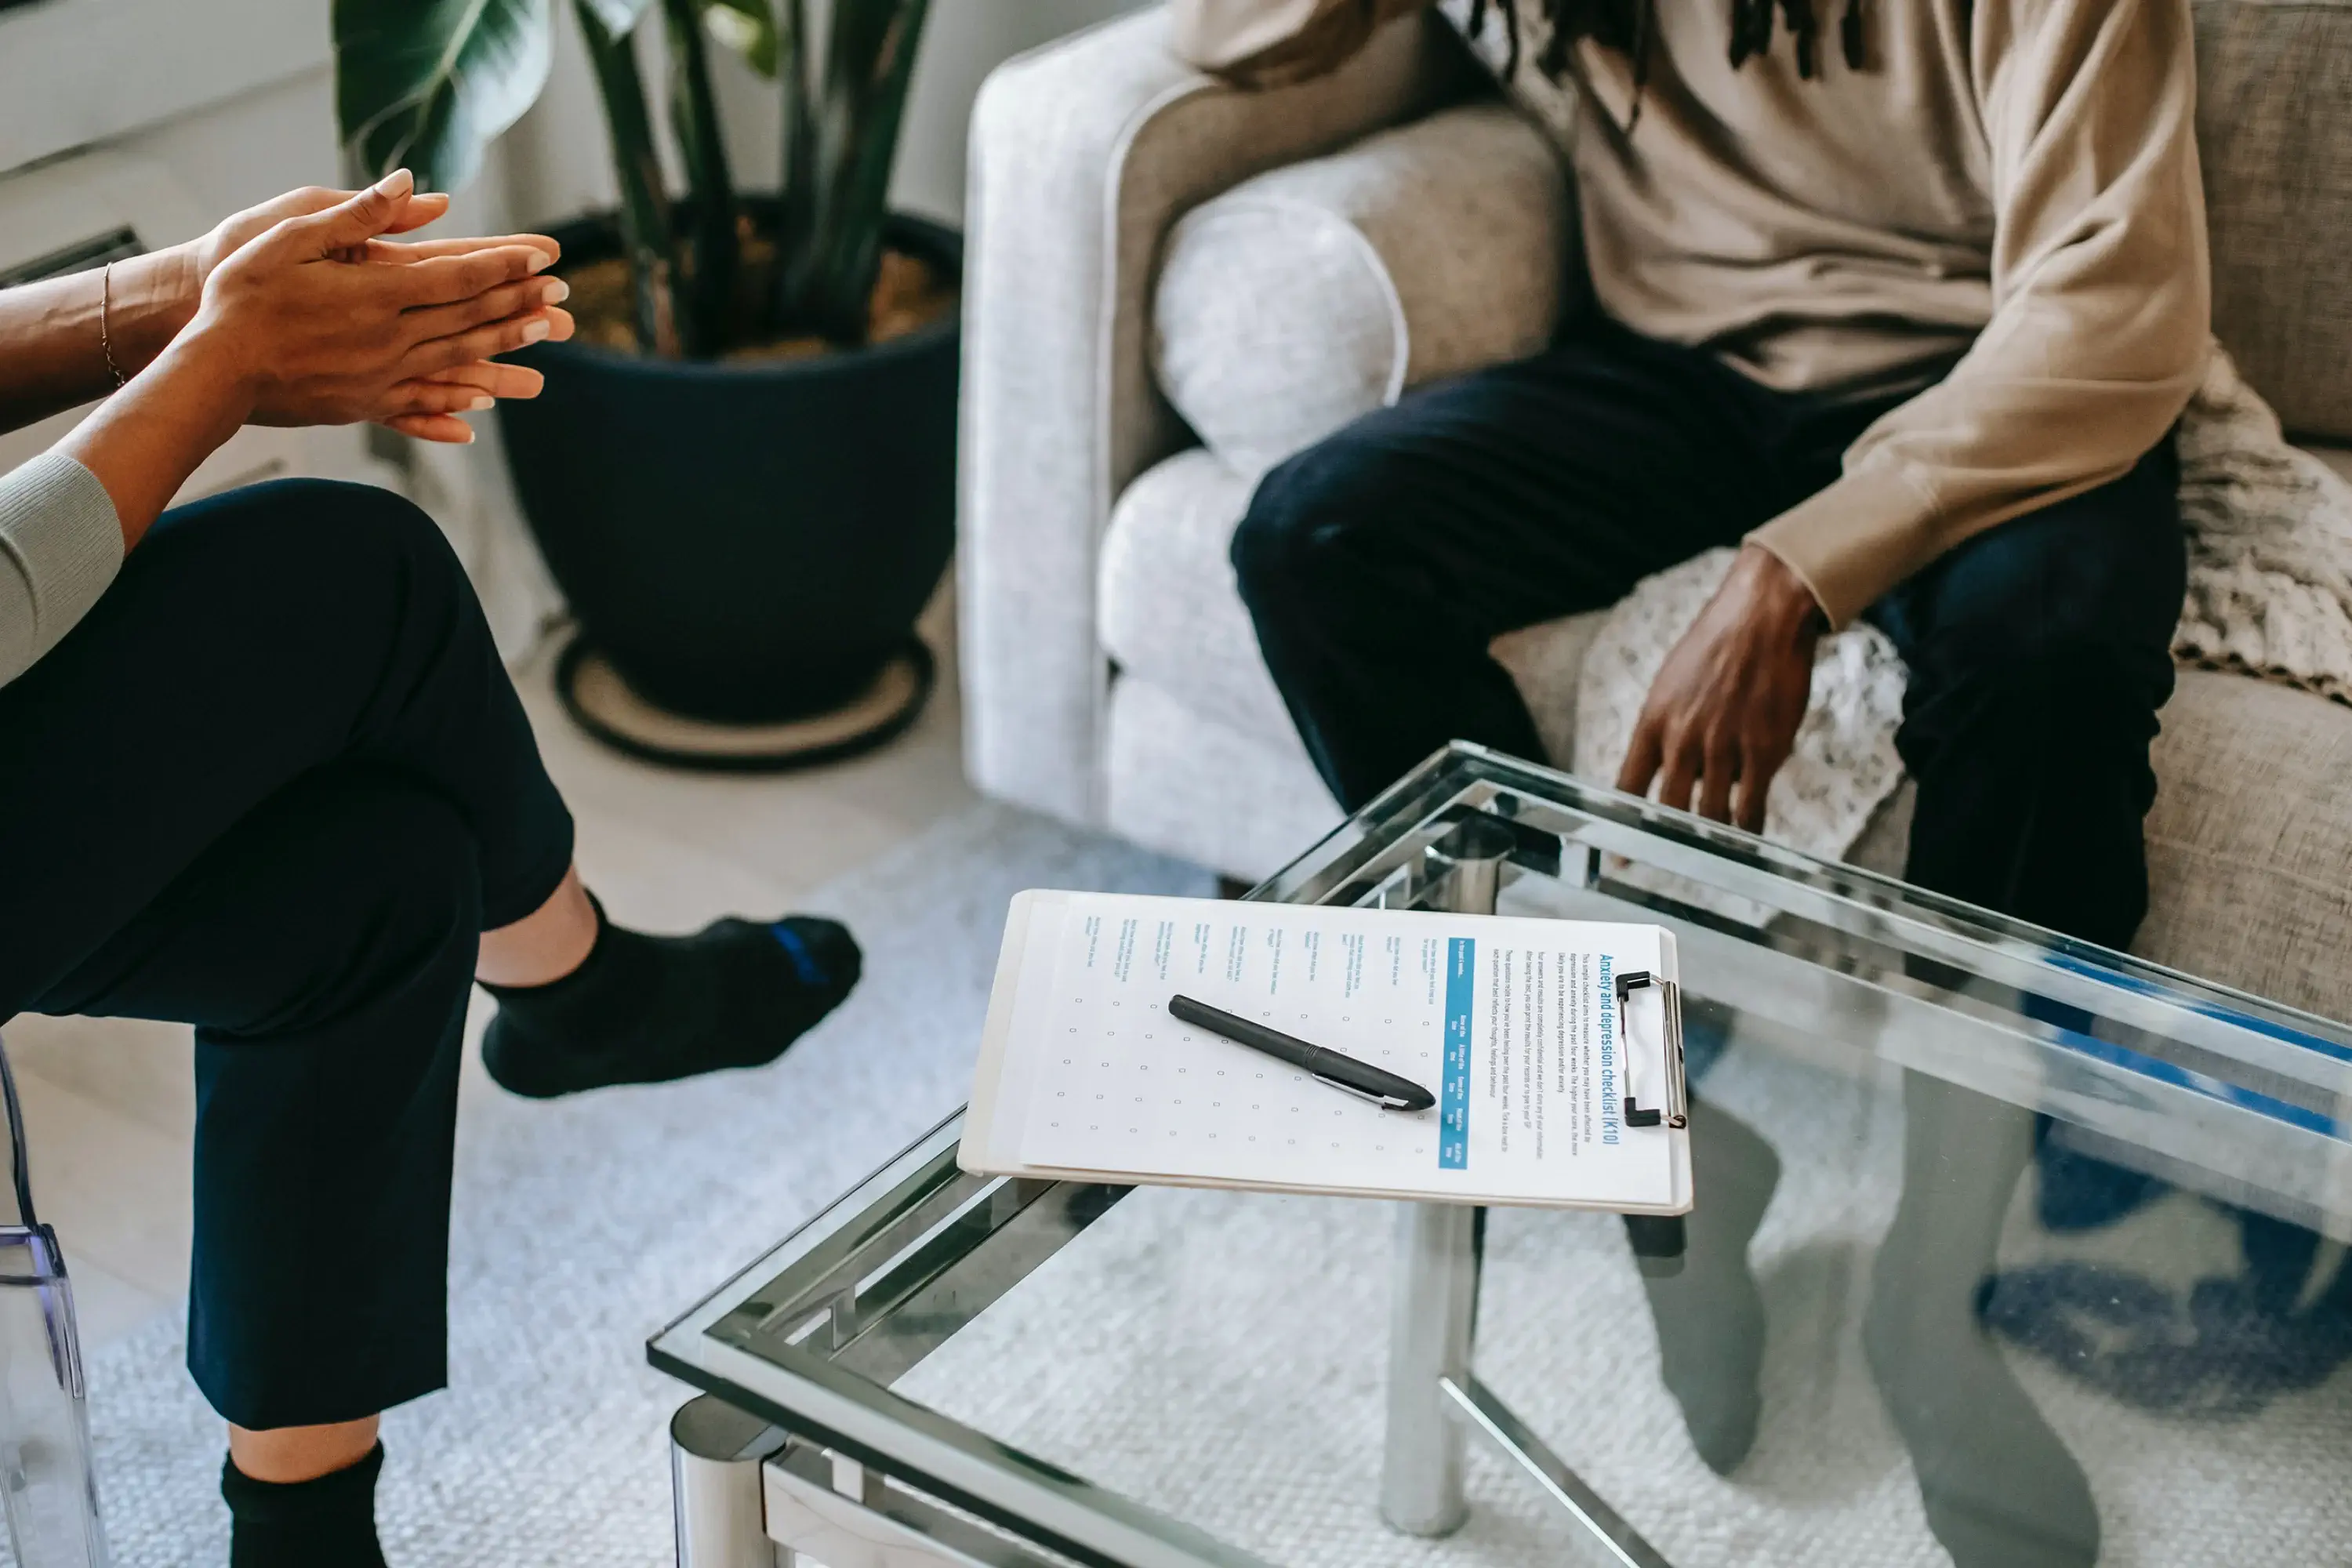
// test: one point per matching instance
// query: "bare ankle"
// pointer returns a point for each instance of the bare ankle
(285, 1455)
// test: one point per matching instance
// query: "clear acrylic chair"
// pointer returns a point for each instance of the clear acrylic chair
(49, 1487)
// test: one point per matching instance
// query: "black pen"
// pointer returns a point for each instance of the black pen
(1362, 1079)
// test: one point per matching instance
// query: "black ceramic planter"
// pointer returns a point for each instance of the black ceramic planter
(745, 543)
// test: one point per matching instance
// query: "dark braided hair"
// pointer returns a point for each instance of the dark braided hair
(1631, 28)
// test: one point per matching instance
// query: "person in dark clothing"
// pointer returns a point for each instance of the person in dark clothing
(1379, 563)
(262, 771)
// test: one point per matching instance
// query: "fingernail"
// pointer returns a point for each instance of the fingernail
(555, 292)
(540, 261)
(478, 402)
(534, 331)
(399, 183)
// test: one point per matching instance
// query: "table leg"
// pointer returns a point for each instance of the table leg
(715, 1454)
(1434, 1312)
(1439, 1251)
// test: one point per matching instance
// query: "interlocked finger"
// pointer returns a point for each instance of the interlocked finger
(405, 252)
(447, 279)
(491, 305)
(365, 215)
(435, 398)
(432, 358)
(501, 380)
(443, 427)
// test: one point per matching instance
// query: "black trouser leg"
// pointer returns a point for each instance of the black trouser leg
(1380, 565)
(2040, 652)
(275, 786)
(250, 639)
(324, 948)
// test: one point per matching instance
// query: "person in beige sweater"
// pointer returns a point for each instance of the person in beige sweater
(1902, 298)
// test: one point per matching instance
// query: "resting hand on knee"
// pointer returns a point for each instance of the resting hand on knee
(1723, 712)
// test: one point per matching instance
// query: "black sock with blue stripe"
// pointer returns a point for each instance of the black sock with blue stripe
(647, 1009)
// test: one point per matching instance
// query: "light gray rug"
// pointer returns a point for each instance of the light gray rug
(1221, 1357)
(584, 1226)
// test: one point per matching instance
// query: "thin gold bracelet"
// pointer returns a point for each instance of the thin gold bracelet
(105, 331)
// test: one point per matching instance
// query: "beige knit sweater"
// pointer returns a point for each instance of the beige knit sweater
(2011, 181)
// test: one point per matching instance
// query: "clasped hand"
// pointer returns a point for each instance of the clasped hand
(1722, 715)
(314, 318)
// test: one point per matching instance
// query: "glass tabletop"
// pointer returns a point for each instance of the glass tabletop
(2007, 1251)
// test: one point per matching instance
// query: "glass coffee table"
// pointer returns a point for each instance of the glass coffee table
(2009, 1251)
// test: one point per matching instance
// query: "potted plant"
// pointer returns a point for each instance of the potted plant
(742, 472)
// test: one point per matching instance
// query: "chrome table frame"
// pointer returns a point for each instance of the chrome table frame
(800, 1452)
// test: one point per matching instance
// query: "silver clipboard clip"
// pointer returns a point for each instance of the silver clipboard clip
(1677, 1107)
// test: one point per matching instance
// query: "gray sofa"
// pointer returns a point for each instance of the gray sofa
(1173, 284)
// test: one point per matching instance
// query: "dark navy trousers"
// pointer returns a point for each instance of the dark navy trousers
(275, 785)
(1379, 563)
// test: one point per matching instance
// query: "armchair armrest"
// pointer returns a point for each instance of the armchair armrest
(1317, 292)
(1083, 153)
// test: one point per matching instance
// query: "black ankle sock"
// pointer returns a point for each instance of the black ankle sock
(647, 1009)
(328, 1522)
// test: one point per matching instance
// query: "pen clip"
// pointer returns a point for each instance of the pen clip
(1385, 1102)
(1670, 997)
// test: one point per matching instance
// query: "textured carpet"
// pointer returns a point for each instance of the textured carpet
(1219, 1356)
(584, 1225)
(1251, 1329)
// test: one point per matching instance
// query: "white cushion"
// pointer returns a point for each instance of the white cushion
(1188, 785)
(1319, 292)
(1171, 613)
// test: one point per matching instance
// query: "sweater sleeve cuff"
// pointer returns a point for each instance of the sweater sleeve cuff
(60, 546)
(1855, 540)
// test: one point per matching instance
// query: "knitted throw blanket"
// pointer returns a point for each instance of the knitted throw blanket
(2270, 595)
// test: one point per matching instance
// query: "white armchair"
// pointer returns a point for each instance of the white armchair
(1173, 284)
(1111, 675)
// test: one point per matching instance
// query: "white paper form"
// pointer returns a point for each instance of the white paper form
(1514, 1025)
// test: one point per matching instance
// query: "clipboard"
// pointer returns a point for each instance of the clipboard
(1081, 967)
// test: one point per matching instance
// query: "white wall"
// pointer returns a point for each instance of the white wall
(73, 72)
(556, 161)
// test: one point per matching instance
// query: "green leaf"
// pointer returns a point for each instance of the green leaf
(645, 232)
(619, 16)
(431, 83)
(748, 27)
(869, 63)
